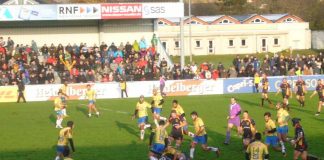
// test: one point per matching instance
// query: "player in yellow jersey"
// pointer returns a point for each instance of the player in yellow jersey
(58, 109)
(257, 150)
(200, 136)
(158, 141)
(65, 137)
(64, 92)
(282, 129)
(91, 95)
(270, 132)
(141, 113)
(180, 112)
(171, 153)
(157, 102)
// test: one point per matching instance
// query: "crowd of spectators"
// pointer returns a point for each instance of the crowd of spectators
(138, 61)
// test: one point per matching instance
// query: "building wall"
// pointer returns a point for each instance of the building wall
(90, 32)
(318, 39)
(295, 35)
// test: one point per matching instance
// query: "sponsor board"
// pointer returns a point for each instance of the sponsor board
(121, 11)
(78, 11)
(134, 89)
(163, 10)
(246, 85)
(27, 12)
(8, 93)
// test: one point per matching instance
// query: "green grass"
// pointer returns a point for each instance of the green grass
(27, 130)
(228, 59)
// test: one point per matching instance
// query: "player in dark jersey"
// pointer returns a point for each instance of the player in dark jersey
(247, 128)
(319, 91)
(177, 122)
(300, 90)
(265, 88)
(299, 142)
(285, 90)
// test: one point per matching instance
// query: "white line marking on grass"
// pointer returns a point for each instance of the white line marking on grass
(107, 109)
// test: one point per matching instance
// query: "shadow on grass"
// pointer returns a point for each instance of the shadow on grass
(127, 127)
(83, 110)
(52, 118)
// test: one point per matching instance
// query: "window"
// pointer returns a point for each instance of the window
(257, 21)
(276, 41)
(231, 43)
(210, 44)
(193, 22)
(225, 21)
(164, 45)
(198, 44)
(161, 23)
(177, 44)
(210, 47)
(289, 20)
(243, 42)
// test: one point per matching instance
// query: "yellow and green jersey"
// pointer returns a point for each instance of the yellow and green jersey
(64, 136)
(198, 123)
(160, 135)
(257, 150)
(179, 110)
(270, 125)
(142, 108)
(57, 103)
(91, 95)
(157, 99)
(283, 117)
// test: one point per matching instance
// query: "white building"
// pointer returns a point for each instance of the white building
(242, 34)
(210, 34)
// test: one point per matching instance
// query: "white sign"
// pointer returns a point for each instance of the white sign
(79, 11)
(162, 10)
(134, 89)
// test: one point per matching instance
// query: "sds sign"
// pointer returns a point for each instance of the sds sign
(154, 10)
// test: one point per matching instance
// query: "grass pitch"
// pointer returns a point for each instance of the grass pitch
(27, 130)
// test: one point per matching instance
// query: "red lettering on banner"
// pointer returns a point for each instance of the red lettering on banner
(121, 11)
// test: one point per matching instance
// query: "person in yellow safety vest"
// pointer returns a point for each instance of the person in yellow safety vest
(257, 80)
(298, 72)
(123, 87)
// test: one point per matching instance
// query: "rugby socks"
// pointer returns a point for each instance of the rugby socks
(228, 136)
(214, 149)
(262, 102)
(57, 158)
(142, 134)
(156, 122)
(147, 126)
(97, 113)
(283, 148)
(64, 111)
(153, 158)
(269, 101)
(192, 152)
(163, 118)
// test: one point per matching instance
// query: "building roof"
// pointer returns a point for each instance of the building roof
(273, 17)
(209, 19)
(241, 18)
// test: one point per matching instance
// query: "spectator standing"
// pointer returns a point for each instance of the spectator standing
(123, 88)
(21, 89)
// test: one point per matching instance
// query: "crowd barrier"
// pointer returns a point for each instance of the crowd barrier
(135, 89)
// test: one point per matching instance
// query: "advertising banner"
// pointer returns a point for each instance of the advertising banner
(246, 85)
(78, 11)
(27, 12)
(134, 89)
(121, 11)
(163, 10)
(8, 93)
